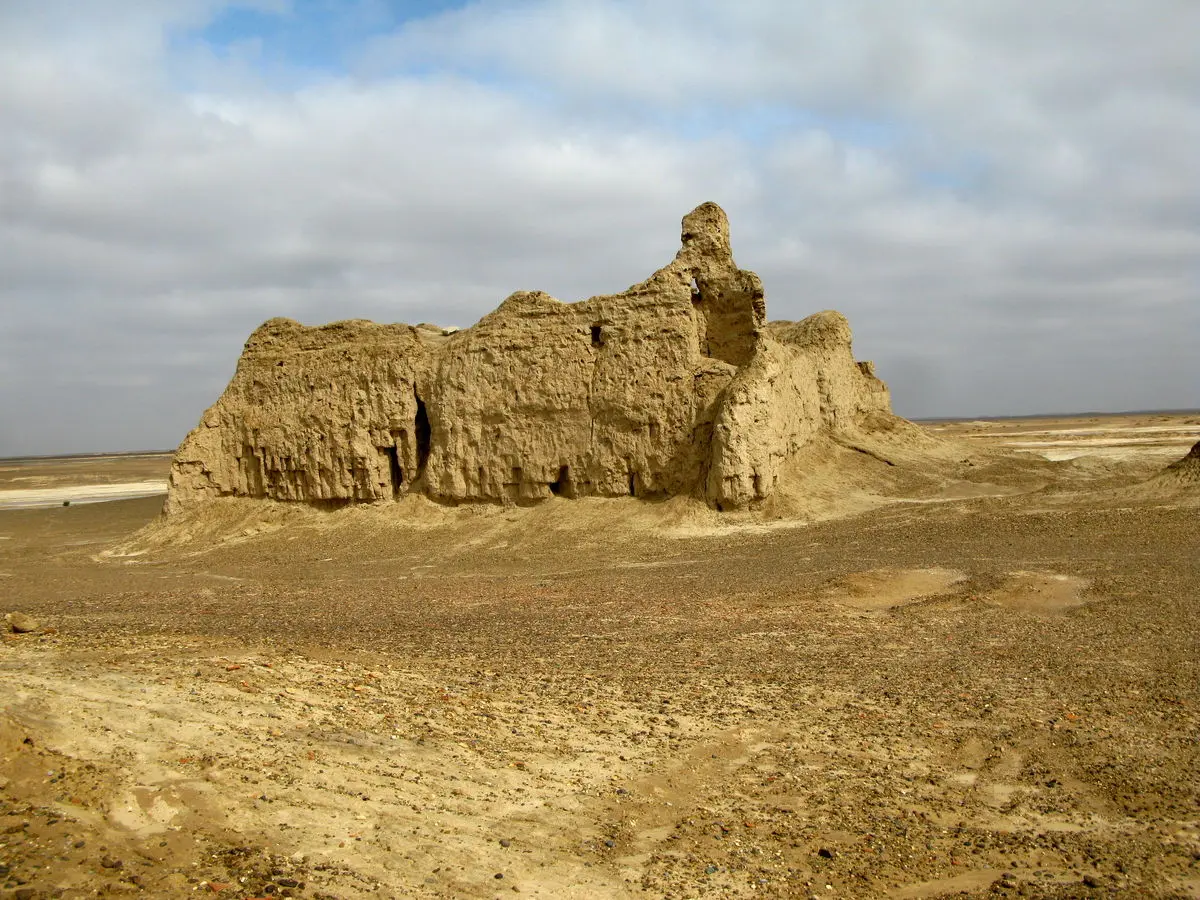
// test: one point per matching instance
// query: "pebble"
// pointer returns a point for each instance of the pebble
(505, 842)
(19, 623)
(110, 862)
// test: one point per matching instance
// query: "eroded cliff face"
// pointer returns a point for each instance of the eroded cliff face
(676, 386)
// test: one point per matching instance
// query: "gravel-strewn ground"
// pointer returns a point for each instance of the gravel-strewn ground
(986, 697)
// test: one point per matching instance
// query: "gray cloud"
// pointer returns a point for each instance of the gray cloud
(999, 195)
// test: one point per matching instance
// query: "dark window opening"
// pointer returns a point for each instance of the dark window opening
(516, 474)
(633, 484)
(560, 484)
(393, 455)
(597, 336)
(424, 434)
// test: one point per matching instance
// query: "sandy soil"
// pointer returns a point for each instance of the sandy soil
(990, 692)
(1162, 437)
(35, 483)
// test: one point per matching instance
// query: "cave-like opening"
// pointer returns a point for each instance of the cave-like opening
(424, 436)
(562, 484)
(393, 455)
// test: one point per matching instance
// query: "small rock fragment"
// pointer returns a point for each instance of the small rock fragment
(20, 623)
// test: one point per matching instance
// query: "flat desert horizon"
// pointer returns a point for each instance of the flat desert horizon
(982, 684)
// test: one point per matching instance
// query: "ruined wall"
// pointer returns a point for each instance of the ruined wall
(675, 386)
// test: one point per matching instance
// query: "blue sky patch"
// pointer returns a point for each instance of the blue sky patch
(321, 35)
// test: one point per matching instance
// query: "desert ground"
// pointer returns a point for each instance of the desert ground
(980, 686)
(49, 481)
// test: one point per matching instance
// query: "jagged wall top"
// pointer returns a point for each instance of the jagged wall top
(675, 386)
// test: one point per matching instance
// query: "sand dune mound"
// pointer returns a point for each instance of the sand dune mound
(677, 387)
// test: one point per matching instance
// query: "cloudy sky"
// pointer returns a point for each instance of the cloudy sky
(1003, 196)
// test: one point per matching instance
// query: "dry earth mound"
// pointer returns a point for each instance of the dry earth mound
(1178, 484)
(1186, 470)
(1181, 479)
(676, 387)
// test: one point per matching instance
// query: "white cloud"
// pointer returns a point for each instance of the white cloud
(980, 185)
